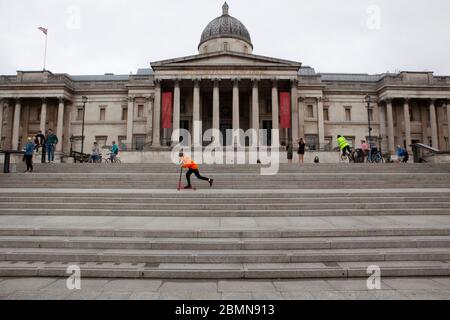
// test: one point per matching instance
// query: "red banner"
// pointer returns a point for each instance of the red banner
(285, 110)
(167, 108)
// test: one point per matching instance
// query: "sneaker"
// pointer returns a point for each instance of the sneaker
(188, 188)
(211, 181)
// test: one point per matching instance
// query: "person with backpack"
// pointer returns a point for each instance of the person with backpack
(29, 150)
(114, 152)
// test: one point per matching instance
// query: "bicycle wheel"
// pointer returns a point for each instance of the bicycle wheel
(379, 158)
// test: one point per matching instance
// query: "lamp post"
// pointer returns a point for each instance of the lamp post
(72, 140)
(368, 100)
(84, 99)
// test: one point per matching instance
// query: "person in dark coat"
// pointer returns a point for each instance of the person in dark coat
(301, 150)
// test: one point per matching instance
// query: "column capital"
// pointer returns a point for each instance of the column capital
(176, 82)
(216, 80)
(157, 82)
(17, 100)
(319, 99)
(406, 100)
(235, 81)
(61, 99)
(274, 82)
(131, 98)
(294, 82)
(431, 101)
(150, 98)
(255, 82)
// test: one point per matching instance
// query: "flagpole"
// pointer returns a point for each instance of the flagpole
(45, 51)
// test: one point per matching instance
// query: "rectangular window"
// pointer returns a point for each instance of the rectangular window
(102, 113)
(121, 142)
(310, 111)
(351, 141)
(139, 142)
(312, 142)
(225, 46)
(124, 114)
(326, 114)
(348, 114)
(101, 140)
(80, 114)
(328, 144)
(140, 111)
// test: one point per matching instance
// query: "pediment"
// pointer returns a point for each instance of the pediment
(224, 60)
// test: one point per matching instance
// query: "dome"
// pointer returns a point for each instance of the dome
(226, 26)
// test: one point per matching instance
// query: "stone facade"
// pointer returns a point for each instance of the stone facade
(226, 86)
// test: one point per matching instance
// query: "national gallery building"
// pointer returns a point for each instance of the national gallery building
(225, 86)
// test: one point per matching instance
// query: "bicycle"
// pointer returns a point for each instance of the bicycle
(376, 158)
(109, 161)
(348, 156)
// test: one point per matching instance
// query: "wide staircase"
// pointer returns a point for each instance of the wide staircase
(129, 221)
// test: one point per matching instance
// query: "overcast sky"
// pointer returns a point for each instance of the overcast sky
(120, 36)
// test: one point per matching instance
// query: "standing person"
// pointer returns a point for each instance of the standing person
(373, 150)
(365, 149)
(188, 163)
(290, 152)
(29, 149)
(39, 140)
(114, 152)
(400, 154)
(95, 155)
(301, 150)
(51, 142)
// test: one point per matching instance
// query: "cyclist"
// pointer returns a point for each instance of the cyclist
(114, 152)
(344, 146)
(373, 151)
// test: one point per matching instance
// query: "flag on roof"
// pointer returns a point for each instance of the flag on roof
(44, 30)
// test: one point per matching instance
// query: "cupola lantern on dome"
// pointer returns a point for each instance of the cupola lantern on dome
(225, 33)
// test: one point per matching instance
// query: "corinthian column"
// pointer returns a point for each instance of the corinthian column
(216, 105)
(176, 111)
(16, 125)
(2, 103)
(407, 125)
(43, 115)
(390, 120)
(157, 115)
(275, 112)
(60, 125)
(294, 99)
(433, 121)
(196, 114)
(255, 111)
(236, 128)
(448, 122)
(321, 124)
(130, 120)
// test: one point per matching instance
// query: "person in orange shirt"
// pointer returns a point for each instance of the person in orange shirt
(188, 163)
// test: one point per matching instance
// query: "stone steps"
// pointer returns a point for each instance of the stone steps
(224, 271)
(435, 209)
(136, 243)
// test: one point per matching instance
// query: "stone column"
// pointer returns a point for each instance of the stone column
(236, 139)
(294, 115)
(275, 111)
(448, 122)
(16, 125)
(407, 125)
(255, 110)
(149, 125)
(390, 121)
(433, 121)
(176, 111)
(157, 115)
(216, 105)
(320, 121)
(130, 121)
(2, 103)
(382, 118)
(60, 125)
(43, 125)
(196, 114)
(301, 118)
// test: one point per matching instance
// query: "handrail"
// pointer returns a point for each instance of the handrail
(424, 146)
